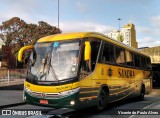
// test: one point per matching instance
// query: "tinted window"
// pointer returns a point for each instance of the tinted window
(143, 62)
(94, 53)
(129, 58)
(120, 56)
(108, 53)
(148, 63)
(137, 60)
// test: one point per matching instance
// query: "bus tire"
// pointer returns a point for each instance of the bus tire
(102, 100)
(142, 93)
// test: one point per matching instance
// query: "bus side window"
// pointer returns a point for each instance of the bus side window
(95, 45)
(84, 71)
(108, 53)
(143, 62)
(148, 63)
(120, 56)
(85, 66)
(137, 60)
(129, 58)
(89, 65)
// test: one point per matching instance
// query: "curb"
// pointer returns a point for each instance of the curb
(12, 87)
(12, 105)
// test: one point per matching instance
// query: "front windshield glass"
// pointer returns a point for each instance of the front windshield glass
(55, 61)
(38, 56)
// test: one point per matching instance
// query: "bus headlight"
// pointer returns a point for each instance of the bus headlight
(27, 90)
(72, 102)
(69, 92)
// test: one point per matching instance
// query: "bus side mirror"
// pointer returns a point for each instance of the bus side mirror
(21, 51)
(87, 51)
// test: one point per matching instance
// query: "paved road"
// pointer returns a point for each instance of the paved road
(8, 97)
(151, 102)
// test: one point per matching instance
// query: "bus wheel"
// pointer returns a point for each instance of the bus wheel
(141, 97)
(102, 100)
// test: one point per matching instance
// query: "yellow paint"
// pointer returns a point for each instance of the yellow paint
(75, 35)
(21, 51)
(85, 98)
(100, 75)
(89, 91)
(87, 52)
(51, 89)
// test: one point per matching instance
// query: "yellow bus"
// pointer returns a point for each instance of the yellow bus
(78, 70)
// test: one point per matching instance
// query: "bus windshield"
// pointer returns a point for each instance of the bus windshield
(55, 61)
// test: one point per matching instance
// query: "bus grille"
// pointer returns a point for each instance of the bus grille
(44, 95)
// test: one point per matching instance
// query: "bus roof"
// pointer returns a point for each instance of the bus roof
(75, 35)
(64, 36)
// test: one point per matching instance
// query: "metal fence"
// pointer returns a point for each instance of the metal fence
(12, 76)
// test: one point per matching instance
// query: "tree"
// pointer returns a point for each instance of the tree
(120, 38)
(44, 29)
(12, 30)
(0, 51)
(16, 33)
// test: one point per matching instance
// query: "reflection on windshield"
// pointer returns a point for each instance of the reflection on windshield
(56, 61)
(38, 56)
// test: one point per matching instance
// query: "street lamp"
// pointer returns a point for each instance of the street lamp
(58, 14)
(119, 19)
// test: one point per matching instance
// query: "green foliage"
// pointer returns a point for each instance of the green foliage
(120, 38)
(0, 54)
(16, 33)
(0, 51)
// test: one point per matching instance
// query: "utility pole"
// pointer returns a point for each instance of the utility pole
(58, 14)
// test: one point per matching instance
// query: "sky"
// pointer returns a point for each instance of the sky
(90, 15)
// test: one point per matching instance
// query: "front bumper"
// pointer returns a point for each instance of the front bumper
(71, 101)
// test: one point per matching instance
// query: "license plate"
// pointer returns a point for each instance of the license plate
(43, 101)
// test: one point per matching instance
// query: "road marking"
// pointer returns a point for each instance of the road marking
(146, 107)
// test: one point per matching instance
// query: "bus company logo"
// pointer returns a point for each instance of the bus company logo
(6, 112)
(43, 95)
(109, 72)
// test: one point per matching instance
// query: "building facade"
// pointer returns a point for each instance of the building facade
(129, 35)
(154, 53)
(1, 43)
(114, 34)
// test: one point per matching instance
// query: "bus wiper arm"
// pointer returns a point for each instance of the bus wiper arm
(54, 74)
(41, 76)
(52, 70)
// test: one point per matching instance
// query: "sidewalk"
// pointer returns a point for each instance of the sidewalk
(4, 82)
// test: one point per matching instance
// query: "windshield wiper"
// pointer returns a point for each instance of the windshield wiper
(40, 74)
(52, 70)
